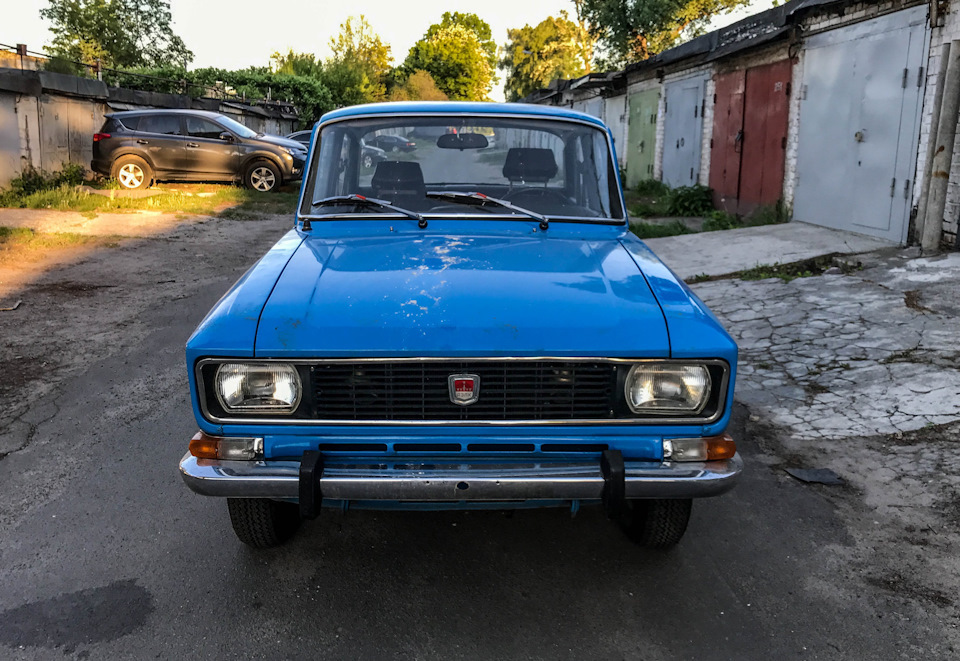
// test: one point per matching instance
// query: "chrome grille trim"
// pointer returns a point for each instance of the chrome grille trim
(652, 420)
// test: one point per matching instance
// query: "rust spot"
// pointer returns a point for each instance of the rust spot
(940, 174)
(939, 149)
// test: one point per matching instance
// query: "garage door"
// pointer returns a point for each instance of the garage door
(642, 140)
(859, 125)
(682, 128)
(750, 136)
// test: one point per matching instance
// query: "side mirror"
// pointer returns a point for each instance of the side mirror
(226, 137)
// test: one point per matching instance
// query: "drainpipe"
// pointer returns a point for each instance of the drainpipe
(943, 154)
(932, 141)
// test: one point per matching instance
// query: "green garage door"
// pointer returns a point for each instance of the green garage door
(642, 131)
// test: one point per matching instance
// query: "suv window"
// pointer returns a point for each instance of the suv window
(164, 124)
(203, 128)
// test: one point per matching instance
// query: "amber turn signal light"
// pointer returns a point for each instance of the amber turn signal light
(710, 448)
(721, 447)
(203, 446)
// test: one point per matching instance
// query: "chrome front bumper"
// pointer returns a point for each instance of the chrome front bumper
(450, 480)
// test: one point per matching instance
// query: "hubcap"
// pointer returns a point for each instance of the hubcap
(130, 176)
(262, 179)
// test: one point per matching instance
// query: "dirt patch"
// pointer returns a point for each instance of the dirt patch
(912, 300)
(69, 288)
(910, 590)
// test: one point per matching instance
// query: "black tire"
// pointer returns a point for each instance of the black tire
(656, 524)
(262, 176)
(262, 523)
(132, 172)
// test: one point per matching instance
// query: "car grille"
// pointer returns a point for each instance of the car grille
(508, 390)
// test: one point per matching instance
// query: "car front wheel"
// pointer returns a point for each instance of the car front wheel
(132, 172)
(367, 161)
(262, 523)
(656, 524)
(262, 176)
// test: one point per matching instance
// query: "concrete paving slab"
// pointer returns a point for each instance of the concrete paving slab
(730, 251)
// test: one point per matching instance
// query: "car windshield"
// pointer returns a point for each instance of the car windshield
(236, 127)
(557, 168)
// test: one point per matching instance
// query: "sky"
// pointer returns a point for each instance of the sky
(235, 34)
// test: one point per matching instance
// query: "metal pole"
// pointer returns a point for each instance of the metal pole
(943, 154)
(932, 141)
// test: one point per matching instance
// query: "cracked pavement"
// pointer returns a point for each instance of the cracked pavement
(873, 352)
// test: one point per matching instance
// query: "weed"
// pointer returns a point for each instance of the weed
(652, 187)
(691, 201)
(652, 208)
(655, 231)
(770, 214)
(788, 272)
(702, 277)
(721, 220)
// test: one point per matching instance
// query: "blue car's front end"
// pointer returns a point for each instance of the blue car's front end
(397, 350)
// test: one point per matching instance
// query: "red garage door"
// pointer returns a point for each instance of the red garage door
(750, 136)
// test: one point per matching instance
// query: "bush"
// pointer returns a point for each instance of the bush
(652, 187)
(691, 201)
(34, 181)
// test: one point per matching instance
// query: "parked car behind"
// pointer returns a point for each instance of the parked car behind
(390, 143)
(369, 154)
(142, 146)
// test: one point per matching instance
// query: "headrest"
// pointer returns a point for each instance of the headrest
(398, 176)
(530, 164)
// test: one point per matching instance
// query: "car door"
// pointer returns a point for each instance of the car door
(160, 135)
(207, 153)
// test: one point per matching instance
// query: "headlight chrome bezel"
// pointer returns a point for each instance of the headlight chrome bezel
(252, 368)
(678, 367)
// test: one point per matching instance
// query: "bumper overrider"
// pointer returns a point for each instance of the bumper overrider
(316, 477)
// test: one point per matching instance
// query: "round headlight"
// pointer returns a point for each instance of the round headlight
(267, 387)
(667, 388)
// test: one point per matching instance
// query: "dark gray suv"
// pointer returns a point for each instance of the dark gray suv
(141, 146)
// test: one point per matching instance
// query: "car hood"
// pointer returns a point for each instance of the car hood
(427, 294)
(283, 142)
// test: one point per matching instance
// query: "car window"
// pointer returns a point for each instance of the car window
(203, 128)
(130, 123)
(164, 124)
(560, 168)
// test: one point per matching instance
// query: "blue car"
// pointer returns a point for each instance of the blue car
(470, 325)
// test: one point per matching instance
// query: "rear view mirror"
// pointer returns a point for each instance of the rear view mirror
(462, 141)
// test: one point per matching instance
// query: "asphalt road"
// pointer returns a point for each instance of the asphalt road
(104, 553)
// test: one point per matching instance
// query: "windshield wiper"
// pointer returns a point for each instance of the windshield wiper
(479, 199)
(360, 200)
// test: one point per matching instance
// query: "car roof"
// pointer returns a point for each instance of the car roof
(165, 111)
(458, 108)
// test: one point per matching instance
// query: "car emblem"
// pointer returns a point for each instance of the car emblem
(464, 389)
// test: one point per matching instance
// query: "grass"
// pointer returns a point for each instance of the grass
(787, 272)
(656, 231)
(244, 203)
(26, 243)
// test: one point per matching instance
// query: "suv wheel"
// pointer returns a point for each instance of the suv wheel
(656, 524)
(367, 161)
(263, 523)
(132, 172)
(262, 176)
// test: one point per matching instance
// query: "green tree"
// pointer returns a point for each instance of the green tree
(297, 64)
(361, 60)
(117, 33)
(456, 59)
(632, 30)
(419, 86)
(471, 22)
(536, 55)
